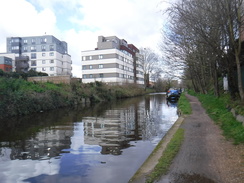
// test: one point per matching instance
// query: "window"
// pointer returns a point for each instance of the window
(90, 67)
(100, 66)
(15, 47)
(33, 48)
(90, 57)
(84, 67)
(43, 54)
(84, 76)
(90, 76)
(101, 75)
(15, 40)
(25, 48)
(43, 40)
(25, 41)
(100, 56)
(33, 41)
(33, 63)
(121, 66)
(83, 58)
(51, 61)
(43, 61)
(51, 68)
(51, 54)
(33, 55)
(43, 69)
(51, 47)
(34, 69)
(43, 48)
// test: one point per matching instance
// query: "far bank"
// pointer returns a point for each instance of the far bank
(20, 97)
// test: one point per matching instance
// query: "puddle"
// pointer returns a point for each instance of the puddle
(190, 178)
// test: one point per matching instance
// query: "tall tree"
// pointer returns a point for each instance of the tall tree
(234, 17)
(149, 60)
(204, 36)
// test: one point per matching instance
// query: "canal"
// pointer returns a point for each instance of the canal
(104, 143)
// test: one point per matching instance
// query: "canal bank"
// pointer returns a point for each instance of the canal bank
(152, 160)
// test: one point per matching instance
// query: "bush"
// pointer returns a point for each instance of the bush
(20, 97)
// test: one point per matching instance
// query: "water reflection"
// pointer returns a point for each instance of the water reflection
(68, 145)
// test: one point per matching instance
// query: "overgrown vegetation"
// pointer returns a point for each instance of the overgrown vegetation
(22, 75)
(219, 110)
(168, 155)
(20, 97)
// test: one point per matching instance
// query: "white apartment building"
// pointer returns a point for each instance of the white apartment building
(40, 53)
(113, 61)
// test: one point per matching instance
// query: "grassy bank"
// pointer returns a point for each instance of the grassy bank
(219, 110)
(167, 157)
(20, 97)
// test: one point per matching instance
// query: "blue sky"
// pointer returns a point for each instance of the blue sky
(80, 22)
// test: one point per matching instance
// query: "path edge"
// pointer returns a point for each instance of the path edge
(152, 160)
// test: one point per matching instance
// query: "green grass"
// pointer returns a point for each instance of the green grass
(217, 109)
(167, 157)
(184, 105)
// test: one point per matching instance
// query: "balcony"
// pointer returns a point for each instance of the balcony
(21, 63)
(22, 58)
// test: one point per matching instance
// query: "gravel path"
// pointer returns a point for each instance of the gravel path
(205, 155)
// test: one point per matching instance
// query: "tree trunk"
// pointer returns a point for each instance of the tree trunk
(238, 67)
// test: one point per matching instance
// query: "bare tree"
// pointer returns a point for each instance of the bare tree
(234, 19)
(149, 60)
(203, 38)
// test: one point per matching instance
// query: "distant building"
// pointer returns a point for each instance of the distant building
(5, 64)
(113, 61)
(40, 53)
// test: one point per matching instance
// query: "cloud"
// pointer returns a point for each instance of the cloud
(20, 18)
(79, 23)
(24, 19)
(133, 20)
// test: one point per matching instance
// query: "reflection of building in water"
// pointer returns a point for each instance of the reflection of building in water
(46, 144)
(117, 127)
(113, 131)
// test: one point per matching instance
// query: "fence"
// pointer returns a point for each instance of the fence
(53, 79)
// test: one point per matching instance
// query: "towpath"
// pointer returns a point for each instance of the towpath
(205, 155)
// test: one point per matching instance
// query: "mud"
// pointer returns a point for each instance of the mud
(188, 178)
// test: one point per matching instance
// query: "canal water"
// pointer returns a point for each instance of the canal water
(104, 143)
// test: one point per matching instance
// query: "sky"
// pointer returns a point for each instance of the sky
(80, 22)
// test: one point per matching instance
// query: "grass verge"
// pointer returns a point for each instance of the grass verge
(184, 105)
(217, 109)
(167, 157)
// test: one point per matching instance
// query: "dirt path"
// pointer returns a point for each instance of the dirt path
(205, 156)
